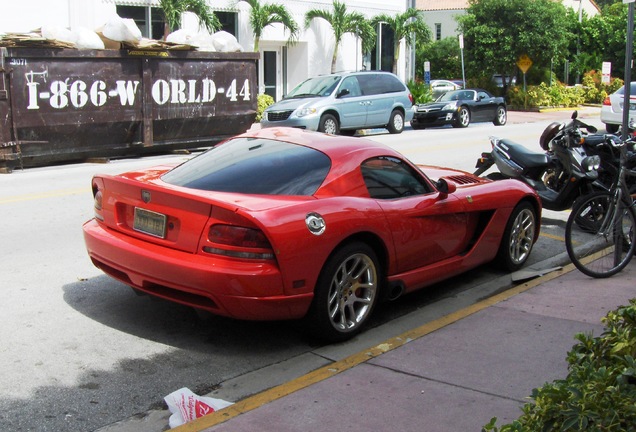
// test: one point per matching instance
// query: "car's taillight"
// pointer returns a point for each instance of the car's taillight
(97, 194)
(244, 242)
(607, 101)
(411, 99)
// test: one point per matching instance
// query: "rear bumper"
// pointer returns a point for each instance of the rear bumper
(234, 288)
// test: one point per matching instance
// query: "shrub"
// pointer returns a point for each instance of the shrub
(263, 101)
(420, 91)
(599, 393)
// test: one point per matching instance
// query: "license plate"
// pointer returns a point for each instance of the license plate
(149, 222)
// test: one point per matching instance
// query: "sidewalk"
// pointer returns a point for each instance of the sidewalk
(452, 374)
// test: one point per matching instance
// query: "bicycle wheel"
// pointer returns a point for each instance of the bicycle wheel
(599, 236)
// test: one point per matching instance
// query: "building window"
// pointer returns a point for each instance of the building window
(382, 54)
(149, 19)
(438, 31)
(228, 22)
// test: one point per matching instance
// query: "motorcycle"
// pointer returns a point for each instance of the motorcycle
(563, 172)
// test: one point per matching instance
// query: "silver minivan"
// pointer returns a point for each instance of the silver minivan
(343, 103)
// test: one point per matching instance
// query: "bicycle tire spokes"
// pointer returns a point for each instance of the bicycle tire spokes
(599, 235)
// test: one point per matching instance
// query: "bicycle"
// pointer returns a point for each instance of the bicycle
(600, 231)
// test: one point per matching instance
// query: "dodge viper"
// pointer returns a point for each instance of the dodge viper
(283, 223)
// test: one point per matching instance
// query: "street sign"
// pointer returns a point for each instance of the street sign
(607, 71)
(524, 63)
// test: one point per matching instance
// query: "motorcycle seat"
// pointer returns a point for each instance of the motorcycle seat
(523, 155)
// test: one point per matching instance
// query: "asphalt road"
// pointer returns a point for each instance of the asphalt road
(82, 352)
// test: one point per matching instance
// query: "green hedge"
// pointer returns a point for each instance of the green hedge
(592, 91)
(599, 393)
(263, 101)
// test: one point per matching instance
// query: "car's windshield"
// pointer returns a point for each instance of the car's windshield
(318, 86)
(456, 95)
(254, 166)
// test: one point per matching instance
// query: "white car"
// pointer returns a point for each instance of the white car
(439, 87)
(612, 108)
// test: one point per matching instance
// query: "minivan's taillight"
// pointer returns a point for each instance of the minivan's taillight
(243, 242)
(411, 99)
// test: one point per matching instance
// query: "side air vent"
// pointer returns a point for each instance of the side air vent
(463, 179)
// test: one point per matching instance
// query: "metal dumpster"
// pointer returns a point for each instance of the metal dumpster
(61, 105)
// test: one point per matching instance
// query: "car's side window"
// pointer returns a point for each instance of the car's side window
(482, 95)
(390, 178)
(351, 84)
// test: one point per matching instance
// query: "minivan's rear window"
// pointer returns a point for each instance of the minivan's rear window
(254, 166)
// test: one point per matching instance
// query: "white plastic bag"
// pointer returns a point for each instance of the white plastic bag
(121, 29)
(186, 406)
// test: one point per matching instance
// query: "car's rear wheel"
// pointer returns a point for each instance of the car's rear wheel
(518, 238)
(463, 118)
(396, 122)
(329, 124)
(346, 293)
(501, 117)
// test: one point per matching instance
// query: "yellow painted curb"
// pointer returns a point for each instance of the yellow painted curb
(321, 374)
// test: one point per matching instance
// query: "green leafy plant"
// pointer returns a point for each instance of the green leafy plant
(262, 101)
(420, 91)
(599, 393)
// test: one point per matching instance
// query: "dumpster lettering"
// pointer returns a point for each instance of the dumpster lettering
(77, 93)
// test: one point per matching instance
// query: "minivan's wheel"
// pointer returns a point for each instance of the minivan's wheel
(329, 124)
(501, 116)
(346, 292)
(463, 118)
(396, 122)
(517, 241)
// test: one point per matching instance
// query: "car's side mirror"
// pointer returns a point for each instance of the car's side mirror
(343, 92)
(445, 187)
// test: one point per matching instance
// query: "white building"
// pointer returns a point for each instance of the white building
(281, 66)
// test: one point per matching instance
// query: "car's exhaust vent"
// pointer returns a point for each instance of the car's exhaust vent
(463, 179)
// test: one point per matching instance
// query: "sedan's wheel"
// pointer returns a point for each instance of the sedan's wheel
(329, 124)
(611, 128)
(501, 117)
(517, 241)
(396, 122)
(463, 118)
(345, 294)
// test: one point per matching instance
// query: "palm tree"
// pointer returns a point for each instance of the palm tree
(409, 26)
(263, 15)
(173, 9)
(343, 22)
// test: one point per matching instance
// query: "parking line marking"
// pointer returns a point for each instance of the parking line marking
(321, 374)
(52, 194)
(552, 236)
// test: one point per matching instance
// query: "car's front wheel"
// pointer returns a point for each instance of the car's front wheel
(463, 118)
(396, 122)
(501, 116)
(329, 124)
(518, 238)
(346, 293)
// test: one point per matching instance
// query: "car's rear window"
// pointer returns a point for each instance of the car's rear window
(254, 166)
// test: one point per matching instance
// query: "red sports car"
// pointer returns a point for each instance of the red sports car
(284, 224)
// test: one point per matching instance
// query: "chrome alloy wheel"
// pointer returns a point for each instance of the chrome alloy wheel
(398, 122)
(352, 292)
(522, 236)
(331, 127)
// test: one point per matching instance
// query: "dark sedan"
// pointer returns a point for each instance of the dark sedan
(460, 107)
